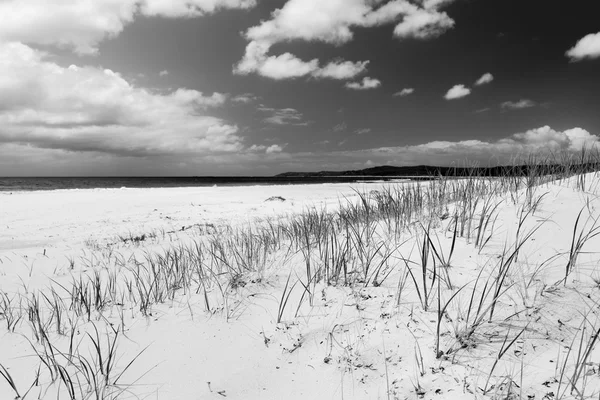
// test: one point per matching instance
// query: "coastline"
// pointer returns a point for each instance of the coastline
(72, 216)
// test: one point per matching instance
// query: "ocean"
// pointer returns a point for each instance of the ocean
(55, 183)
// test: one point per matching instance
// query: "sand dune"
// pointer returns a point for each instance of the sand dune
(437, 290)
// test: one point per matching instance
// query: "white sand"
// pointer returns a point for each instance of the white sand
(332, 350)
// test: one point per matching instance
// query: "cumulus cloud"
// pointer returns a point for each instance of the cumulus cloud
(333, 22)
(423, 24)
(163, 73)
(485, 78)
(538, 140)
(189, 8)
(586, 47)
(457, 92)
(81, 25)
(244, 98)
(543, 140)
(288, 66)
(283, 116)
(90, 109)
(547, 138)
(284, 66)
(342, 70)
(518, 105)
(404, 92)
(275, 148)
(366, 84)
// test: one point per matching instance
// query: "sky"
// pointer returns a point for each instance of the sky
(260, 87)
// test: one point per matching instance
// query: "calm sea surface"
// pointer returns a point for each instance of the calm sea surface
(31, 184)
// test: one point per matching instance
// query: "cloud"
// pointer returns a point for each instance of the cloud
(288, 66)
(485, 78)
(16, 158)
(366, 84)
(275, 148)
(518, 105)
(88, 109)
(341, 127)
(244, 98)
(423, 24)
(514, 148)
(538, 140)
(586, 47)
(333, 22)
(189, 8)
(457, 92)
(404, 92)
(283, 116)
(284, 66)
(163, 73)
(362, 131)
(81, 25)
(342, 70)
(547, 138)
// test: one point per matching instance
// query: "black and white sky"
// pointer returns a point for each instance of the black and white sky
(259, 87)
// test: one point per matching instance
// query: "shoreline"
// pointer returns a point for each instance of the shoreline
(14, 185)
(75, 215)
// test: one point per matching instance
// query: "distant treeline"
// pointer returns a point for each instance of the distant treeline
(432, 171)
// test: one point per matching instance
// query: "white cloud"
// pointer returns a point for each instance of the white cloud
(404, 92)
(457, 92)
(283, 116)
(362, 131)
(81, 25)
(340, 127)
(245, 98)
(90, 109)
(485, 78)
(342, 70)
(288, 66)
(424, 24)
(365, 84)
(284, 66)
(518, 105)
(189, 8)
(541, 141)
(163, 73)
(275, 148)
(538, 140)
(586, 47)
(332, 22)
(549, 139)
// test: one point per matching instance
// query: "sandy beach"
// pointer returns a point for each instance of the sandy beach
(450, 310)
(173, 224)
